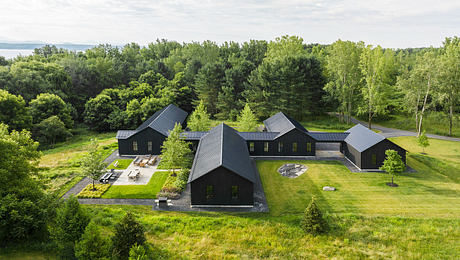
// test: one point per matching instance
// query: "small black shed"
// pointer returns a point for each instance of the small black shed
(149, 136)
(366, 149)
(222, 173)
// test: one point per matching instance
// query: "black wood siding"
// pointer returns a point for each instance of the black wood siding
(352, 154)
(288, 139)
(125, 146)
(222, 180)
(379, 150)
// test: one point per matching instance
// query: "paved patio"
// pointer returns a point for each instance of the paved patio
(144, 178)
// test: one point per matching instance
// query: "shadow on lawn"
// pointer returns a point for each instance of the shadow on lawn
(434, 166)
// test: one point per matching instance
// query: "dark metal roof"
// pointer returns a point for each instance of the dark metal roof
(258, 136)
(282, 124)
(123, 134)
(193, 136)
(328, 137)
(162, 121)
(222, 146)
(361, 138)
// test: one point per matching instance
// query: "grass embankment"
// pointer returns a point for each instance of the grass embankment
(148, 191)
(434, 123)
(60, 166)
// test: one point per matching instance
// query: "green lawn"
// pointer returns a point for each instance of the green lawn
(122, 164)
(148, 191)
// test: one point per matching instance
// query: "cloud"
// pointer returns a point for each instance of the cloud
(388, 22)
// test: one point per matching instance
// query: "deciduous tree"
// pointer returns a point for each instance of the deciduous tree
(93, 163)
(393, 165)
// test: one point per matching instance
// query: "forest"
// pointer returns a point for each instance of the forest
(108, 88)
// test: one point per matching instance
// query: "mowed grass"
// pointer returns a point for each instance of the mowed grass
(429, 195)
(122, 164)
(148, 191)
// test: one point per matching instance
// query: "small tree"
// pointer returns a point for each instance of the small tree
(423, 141)
(313, 221)
(175, 151)
(247, 120)
(127, 233)
(92, 164)
(51, 130)
(393, 165)
(199, 120)
(71, 221)
(92, 245)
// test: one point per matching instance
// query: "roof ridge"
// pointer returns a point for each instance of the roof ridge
(166, 108)
(222, 145)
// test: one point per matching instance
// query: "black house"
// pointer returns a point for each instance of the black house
(148, 137)
(222, 173)
(289, 138)
(366, 149)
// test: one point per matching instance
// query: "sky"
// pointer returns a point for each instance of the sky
(389, 23)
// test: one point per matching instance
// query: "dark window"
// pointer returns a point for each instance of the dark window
(308, 147)
(251, 146)
(294, 147)
(149, 146)
(209, 192)
(235, 192)
(135, 145)
(280, 147)
(266, 147)
(374, 159)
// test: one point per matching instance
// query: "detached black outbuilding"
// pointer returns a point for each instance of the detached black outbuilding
(149, 137)
(366, 149)
(222, 173)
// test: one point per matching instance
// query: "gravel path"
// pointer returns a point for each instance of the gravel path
(77, 188)
(392, 132)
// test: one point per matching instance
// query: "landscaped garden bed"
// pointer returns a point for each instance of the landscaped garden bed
(175, 184)
(93, 192)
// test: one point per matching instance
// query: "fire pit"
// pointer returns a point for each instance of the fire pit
(292, 170)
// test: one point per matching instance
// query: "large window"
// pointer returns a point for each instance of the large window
(235, 192)
(308, 147)
(265, 146)
(280, 147)
(294, 147)
(149, 146)
(209, 192)
(374, 159)
(251, 146)
(135, 146)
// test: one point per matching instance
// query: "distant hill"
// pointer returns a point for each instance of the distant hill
(31, 46)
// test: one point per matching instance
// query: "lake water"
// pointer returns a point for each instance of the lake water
(12, 53)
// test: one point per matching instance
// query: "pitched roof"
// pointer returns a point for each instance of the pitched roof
(162, 121)
(328, 137)
(222, 146)
(361, 138)
(282, 124)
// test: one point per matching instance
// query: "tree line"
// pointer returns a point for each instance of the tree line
(109, 87)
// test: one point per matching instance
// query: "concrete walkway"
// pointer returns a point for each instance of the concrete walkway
(393, 132)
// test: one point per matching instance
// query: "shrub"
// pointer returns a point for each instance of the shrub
(92, 245)
(182, 179)
(128, 232)
(313, 221)
(140, 252)
(88, 191)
